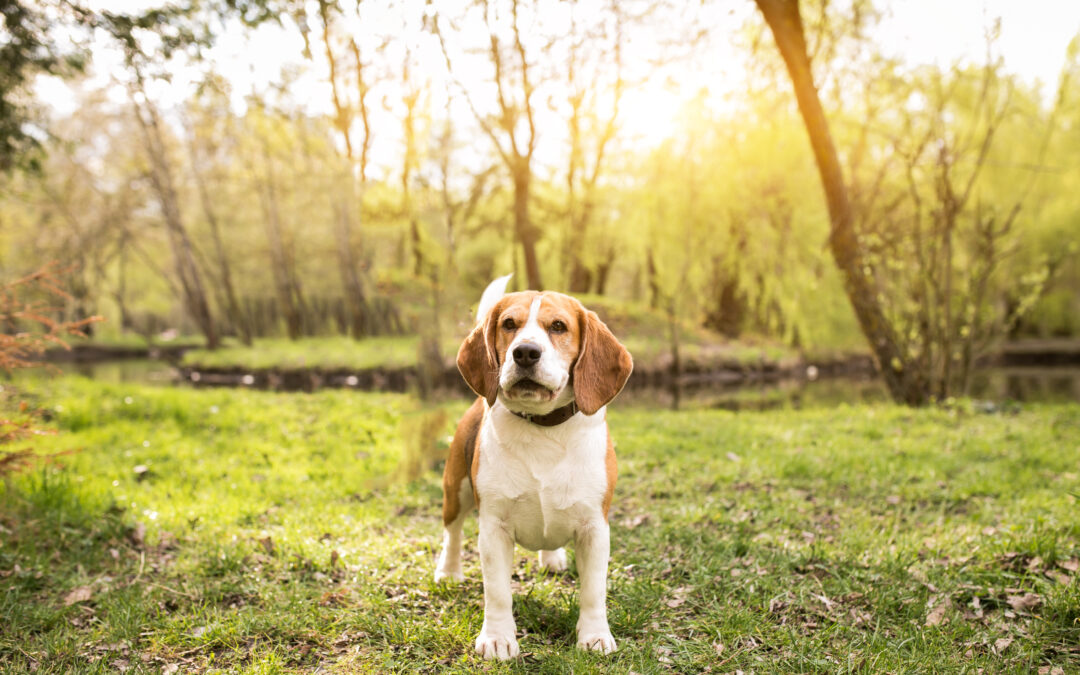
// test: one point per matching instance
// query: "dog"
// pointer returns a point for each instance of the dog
(533, 453)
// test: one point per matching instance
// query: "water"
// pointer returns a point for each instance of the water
(1049, 384)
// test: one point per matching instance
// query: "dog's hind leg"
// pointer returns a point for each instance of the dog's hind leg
(553, 560)
(449, 563)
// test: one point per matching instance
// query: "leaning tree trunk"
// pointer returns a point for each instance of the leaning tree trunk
(905, 384)
(231, 303)
(184, 264)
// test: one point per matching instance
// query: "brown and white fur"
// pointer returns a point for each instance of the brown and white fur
(538, 486)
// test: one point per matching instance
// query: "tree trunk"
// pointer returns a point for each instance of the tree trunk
(236, 315)
(653, 282)
(580, 277)
(285, 283)
(184, 264)
(904, 383)
(523, 229)
(350, 277)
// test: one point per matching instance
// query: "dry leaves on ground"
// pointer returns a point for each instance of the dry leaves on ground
(80, 594)
(937, 612)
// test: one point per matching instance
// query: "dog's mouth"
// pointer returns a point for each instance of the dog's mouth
(530, 389)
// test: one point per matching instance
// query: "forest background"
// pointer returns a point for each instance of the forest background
(237, 170)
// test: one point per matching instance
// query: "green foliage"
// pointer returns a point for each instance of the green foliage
(257, 532)
(30, 47)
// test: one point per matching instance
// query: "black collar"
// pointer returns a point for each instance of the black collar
(553, 418)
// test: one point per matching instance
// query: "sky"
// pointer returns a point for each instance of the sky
(1033, 40)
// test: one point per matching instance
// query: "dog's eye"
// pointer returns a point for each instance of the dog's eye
(508, 324)
(558, 326)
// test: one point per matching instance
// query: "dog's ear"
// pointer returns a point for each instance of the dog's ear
(477, 360)
(602, 367)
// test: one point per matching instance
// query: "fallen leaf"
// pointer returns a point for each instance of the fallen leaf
(893, 499)
(679, 596)
(1025, 602)
(937, 614)
(1072, 564)
(1001, 644)
(80, 594)
(334, 557)
(1035, 564)
(663, 655)
(338, 598)
(636, 521)
(268, 545)
(718, 647)
(733, 457)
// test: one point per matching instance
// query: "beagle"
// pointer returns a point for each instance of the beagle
(533, 453)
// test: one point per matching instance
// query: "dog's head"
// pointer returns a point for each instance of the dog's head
(539, 351)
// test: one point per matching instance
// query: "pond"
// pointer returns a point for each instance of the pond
(1022, 384)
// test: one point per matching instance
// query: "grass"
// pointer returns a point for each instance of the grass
(343, 353)
(327, 353)
(255, 532)
(645, 332)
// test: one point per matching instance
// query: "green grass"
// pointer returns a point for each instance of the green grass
(286, 532)
(326, 353)
(332, 353)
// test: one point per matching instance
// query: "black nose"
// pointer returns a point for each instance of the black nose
(526, 354)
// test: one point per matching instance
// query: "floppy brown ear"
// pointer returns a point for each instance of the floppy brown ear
(603, 365)
(477, 361)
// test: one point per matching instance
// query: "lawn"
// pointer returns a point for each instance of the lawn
(258, 532)
(328, 353)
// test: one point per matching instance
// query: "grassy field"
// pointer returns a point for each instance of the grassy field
(201, 530)
(325, 352)
(644, 331)
(332, 353)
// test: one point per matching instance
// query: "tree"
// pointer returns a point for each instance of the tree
(512, 129)
(30, 47)
(906, 384)
(353, 179)
(594, 60)
(204, 148)
(161, 175)
(916, 241)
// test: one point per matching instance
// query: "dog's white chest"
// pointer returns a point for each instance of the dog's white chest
(542, 483)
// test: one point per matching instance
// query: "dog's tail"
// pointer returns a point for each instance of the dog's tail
(495, 290)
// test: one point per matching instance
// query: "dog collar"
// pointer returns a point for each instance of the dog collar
(553, 418)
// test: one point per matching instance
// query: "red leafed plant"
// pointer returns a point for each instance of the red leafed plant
(26, 331)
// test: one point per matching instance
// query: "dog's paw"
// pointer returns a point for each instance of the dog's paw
(494, 645)
(596, 640)
(448, 575)
(554, 560)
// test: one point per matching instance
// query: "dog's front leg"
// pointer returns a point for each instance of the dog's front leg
(592, 549)
(497, 638)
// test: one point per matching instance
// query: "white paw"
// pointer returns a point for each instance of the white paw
(493, 645)
(448, 568)
(554, 560)
(449, 575)
(596, 640)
